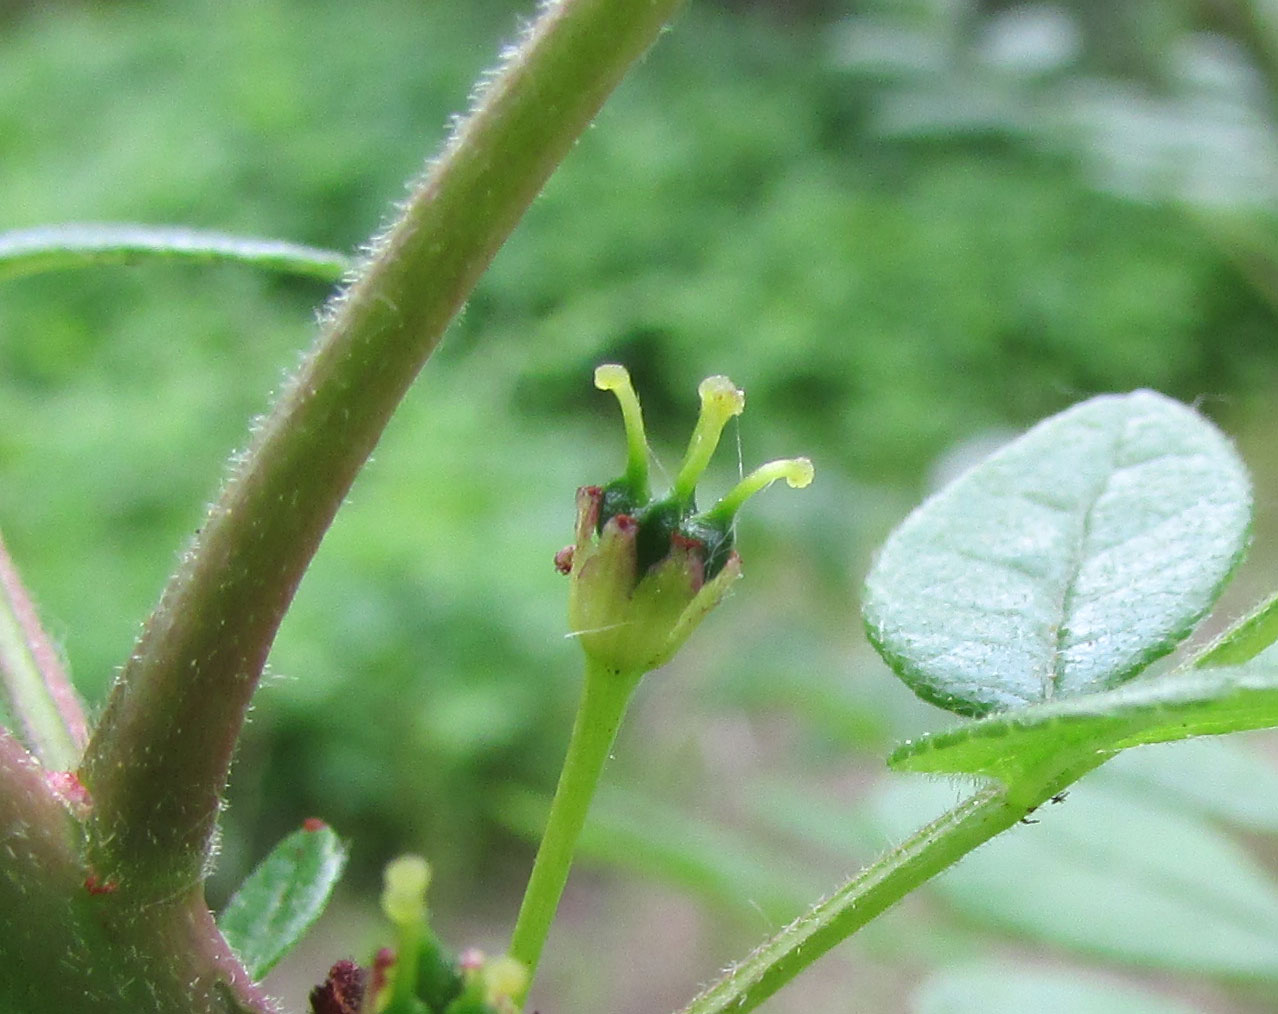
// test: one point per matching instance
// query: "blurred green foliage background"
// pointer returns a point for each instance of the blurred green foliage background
(904, 227)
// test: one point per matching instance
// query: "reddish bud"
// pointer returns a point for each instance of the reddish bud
(342, 992)
(563, 560)
(313, 824)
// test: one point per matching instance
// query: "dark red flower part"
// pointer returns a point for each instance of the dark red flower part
(563, 560)
(589, 502)
(383, 962)
(693, 552)
(342, 992)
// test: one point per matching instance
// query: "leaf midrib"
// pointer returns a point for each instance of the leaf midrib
(1056, 670)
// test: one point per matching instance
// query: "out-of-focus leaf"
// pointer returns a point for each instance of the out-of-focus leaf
(1001, 988)
(1114, 874)
(636, 833)
(1213, 151)
(283, 897)
(1066, 562)
(1217, 776)
(828, 820)
(1201, 702)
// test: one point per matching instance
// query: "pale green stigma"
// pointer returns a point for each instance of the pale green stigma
(720, 401)
(614, 378)
(797, 472)
(404, 891)
(504, 979)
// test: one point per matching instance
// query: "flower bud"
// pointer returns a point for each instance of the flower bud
(645, 572)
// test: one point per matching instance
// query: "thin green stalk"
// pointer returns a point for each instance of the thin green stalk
(603, 705)
(32, 681)
(878, 887)
(88, 244)
(158, 761)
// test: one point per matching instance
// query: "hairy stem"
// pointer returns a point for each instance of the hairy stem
(32, 681)
(74, 943)
(603, 705)
(877, 888)
(38, 875)
(158, 761)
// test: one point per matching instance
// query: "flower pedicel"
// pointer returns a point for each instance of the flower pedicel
(644, 572)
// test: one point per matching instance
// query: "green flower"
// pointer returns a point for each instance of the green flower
(421, 976)
(644, 571)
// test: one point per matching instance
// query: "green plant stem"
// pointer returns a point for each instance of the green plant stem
(37, 876)
(81, 245)
(158, 761)
(922, 856)
(603, 705)
(32, 681)
(1244, 639)
(68, 949)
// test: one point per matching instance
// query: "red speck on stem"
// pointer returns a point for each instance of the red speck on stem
(563, 559)
(70, 790)
(95, 886)
(313, 824)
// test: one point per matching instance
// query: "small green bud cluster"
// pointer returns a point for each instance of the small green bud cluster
(421, 976)
(645, 571)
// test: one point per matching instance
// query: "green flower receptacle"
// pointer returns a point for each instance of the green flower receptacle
(629, 618)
